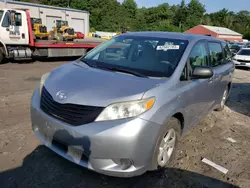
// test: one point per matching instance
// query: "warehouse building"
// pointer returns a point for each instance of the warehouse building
(77, 19)
(218, 32)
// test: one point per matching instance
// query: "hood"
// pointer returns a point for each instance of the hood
(95, 87)
(242, 57)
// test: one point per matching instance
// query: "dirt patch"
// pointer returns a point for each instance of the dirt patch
(24, 162)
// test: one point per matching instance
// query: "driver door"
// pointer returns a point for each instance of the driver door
(198, 92)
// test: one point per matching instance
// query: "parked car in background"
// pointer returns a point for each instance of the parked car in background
(234, 49)
(242, 58)
(121, 109)
(79, 35)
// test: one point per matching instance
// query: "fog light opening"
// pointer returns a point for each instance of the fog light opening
(126, 163)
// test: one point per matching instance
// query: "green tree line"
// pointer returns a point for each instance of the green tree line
(110, 15)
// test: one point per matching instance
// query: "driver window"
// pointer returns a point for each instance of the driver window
(6, 20)
(18, 19)
(197, 57)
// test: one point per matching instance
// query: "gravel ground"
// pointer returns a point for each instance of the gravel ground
(24, 162)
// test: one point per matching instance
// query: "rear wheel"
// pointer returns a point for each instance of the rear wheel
(223, 100)
(165, 150)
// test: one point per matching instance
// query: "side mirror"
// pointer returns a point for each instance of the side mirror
(202, 73)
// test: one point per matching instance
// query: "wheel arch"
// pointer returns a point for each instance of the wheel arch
(229, 85)
(180, 117)
(4, 48)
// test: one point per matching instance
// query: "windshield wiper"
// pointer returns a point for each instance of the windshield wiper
(135, 73)
(116, 69)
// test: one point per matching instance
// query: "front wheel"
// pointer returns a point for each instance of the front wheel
(2, 57)
(165, 150)
(223, 100)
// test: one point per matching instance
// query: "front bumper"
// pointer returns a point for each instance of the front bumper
(241, 64)
(99, 146)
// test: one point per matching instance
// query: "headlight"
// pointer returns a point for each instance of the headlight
(126, 109)
(43, 79)
(234, 59)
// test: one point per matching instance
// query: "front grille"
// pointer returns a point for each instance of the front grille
(243, 61)
(73, 114)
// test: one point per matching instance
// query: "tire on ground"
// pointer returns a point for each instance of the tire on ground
(2, 56)
(175, 124)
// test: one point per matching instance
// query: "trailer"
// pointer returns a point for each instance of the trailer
(17, 39)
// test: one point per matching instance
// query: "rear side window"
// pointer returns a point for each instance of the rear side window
(216, 53)
(227, 51)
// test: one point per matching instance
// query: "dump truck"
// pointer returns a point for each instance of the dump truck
(17, 39)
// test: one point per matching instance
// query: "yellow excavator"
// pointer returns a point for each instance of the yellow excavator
(63, 32)
(39, 30)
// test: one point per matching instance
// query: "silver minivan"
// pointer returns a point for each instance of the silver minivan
(121, 109)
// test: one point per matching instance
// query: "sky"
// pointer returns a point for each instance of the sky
(210, 5)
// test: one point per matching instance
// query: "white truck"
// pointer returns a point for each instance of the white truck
(17, 41)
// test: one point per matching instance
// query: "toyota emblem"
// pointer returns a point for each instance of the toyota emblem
(61, 95)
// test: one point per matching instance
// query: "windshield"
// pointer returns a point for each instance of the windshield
(150, 56)
(1, 14)
(244, 52)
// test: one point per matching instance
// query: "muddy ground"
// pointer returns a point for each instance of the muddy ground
(24, 162)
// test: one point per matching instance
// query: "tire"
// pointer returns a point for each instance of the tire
(2, 57)
(223, 100)
(172, 125)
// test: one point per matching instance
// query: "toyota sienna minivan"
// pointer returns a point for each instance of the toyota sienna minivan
(121, 109)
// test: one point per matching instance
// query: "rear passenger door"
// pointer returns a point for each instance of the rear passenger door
(222, 68)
